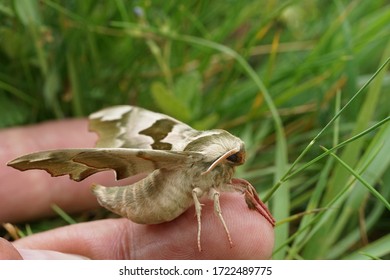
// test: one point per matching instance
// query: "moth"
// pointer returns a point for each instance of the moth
(182, 165)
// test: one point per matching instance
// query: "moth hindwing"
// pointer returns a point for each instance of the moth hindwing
(182, 165)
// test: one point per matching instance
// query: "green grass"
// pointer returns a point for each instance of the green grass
(298, 81)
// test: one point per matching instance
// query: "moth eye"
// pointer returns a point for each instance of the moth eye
(234, 158)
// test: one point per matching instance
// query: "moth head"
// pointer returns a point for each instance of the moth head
(219, 148)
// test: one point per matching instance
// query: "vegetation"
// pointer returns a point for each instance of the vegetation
(298, 81)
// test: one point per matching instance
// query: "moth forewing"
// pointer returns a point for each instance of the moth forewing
(133, 127)
(183, 165)
(81, 163)
(56, 162)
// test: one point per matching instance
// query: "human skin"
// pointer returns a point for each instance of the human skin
(27, 196)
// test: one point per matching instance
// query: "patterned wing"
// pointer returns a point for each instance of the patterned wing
(82, 163)
(133, 127)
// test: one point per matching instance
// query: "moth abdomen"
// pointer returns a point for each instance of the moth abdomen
(152, 200)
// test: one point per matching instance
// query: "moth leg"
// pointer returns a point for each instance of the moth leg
(214, 194)
(252, 199)
(196, 193)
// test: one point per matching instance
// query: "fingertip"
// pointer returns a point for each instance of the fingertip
(252, 235)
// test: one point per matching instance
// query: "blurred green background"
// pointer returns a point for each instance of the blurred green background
(274, 73)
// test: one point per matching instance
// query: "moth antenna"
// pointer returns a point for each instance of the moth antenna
(220, 159)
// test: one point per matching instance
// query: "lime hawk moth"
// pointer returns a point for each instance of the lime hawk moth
(183, 165)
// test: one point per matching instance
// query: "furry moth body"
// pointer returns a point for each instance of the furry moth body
(182, 164)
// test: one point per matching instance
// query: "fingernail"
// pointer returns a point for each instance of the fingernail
(28, 254)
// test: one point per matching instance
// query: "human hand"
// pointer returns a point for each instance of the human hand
(25, 196)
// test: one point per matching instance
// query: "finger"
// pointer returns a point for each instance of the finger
(29, 195)
(37, 254)
(252, 236)
(8, 251)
